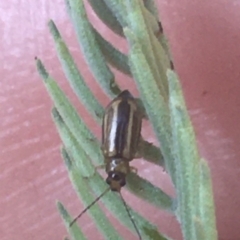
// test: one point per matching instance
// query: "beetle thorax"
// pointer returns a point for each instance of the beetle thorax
(117, 165)
(117, 170)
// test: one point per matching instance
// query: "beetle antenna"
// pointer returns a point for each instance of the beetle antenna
(90, 205)
(131, 217)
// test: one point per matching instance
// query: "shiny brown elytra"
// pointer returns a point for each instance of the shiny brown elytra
(121, 130)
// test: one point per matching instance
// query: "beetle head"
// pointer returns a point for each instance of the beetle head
(116, 180)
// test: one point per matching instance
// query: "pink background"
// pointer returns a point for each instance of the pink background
(204, 36)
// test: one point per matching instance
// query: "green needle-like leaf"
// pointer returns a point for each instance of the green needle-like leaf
(70, 116)
(112, 55)
(73, 75)
(207, 209)
(74, 231)
(91, 50)
(150, 93)
(138, 24)
(106, 15)
(118, 9)
(151, 153)
(151, 7)
(188, 173)
(145, 190)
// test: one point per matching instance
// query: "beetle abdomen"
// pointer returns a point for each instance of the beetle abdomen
(121, 127)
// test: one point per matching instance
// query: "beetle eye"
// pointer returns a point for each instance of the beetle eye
(116, 177)
(108, 181)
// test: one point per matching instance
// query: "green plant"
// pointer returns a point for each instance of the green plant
(163, 102)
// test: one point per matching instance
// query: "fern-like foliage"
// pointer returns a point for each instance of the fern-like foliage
(149, 63)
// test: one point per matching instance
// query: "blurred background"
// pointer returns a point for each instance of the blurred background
(204, 38)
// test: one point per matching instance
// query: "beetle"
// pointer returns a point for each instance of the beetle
(121, 130)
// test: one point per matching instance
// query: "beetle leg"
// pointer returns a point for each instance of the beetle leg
(138, 155)
(133, 169)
